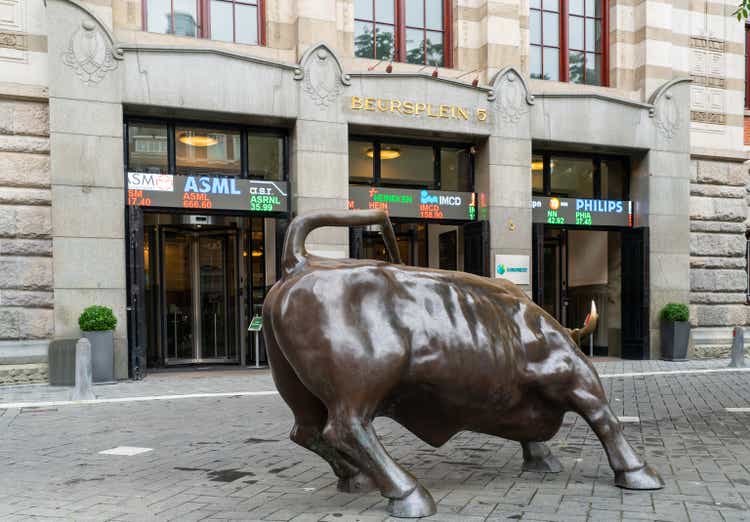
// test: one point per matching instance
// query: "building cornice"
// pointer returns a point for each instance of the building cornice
(178, 49)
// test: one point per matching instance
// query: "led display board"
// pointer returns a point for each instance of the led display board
(418, 204)
(207, 193)
(582, 212)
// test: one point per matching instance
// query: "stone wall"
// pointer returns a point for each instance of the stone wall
(26, 296)
(718, 278)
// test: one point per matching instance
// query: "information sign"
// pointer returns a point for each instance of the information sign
(256, 324)
(582, 212)
(420, 204)
(207, 193)
(514, 268)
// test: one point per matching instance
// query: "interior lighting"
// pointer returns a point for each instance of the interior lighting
(195, 139)
(386, 153)
(537, 165)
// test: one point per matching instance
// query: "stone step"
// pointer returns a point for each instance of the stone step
(23, 373)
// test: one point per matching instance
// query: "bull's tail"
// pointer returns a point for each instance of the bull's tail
(588, 327)
(294, 254)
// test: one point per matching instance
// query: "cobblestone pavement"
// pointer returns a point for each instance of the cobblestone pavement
(230, 457)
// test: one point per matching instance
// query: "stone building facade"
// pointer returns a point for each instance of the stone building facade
(77, 73)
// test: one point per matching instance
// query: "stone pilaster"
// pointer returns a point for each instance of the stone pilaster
(88, 204)
(504, 168)
(320, 164)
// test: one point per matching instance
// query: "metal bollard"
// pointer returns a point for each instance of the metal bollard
(738, 348)
(83, 390)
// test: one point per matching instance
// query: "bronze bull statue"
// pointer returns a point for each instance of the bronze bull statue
(437, 351)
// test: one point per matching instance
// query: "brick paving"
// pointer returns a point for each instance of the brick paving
(221, 458)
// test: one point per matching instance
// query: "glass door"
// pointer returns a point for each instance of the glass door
(179, 307)
(200, 296)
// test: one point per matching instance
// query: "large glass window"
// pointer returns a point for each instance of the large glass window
(568, 40)
(207, 151)
(238, 21)
(374, 29)
(408, 165)
(361, 154)
(572, 177)
(265, 156)
(544, 29)
(456, 169)
(179, 17)
(411, 164)
(235, 21)
(614, 179)
(148, 148)
(537, 174)
(413, 31)
(568, 175)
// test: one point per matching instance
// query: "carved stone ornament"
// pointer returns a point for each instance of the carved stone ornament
(664, 109)
(511, 95)
(89, 53)
(667, 116)
(322, 75)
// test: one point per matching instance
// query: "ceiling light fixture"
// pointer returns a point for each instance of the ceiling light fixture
(197, 140)
(386, 153)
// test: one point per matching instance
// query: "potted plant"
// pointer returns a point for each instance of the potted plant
(675, 331)
(97, 324)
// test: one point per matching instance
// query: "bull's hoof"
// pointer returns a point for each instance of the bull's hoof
(644, 478)
(416, 504)
(359, 483)
(548, 464)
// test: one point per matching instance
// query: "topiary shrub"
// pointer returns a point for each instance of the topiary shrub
(97, 319)
(676, 312)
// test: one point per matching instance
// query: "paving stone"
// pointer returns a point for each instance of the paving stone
(230, 458)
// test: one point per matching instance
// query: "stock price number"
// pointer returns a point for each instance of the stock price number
(554, 219)
(263, 203)
(583, 218)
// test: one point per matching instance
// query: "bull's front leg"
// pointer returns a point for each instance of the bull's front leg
(588, 399)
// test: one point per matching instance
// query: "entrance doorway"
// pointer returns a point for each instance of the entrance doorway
(574, 266)
(199, 282)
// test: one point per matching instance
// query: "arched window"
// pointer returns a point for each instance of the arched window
(412, 31)
(569, 40)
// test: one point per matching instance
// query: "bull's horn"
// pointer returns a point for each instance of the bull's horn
(588, 327)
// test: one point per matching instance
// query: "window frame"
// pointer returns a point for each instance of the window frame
(244, 130)
(596, 159)
(203, 10)
(399, 28)
(564, 43)
(437, 146)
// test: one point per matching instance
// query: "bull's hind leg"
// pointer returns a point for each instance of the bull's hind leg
(310, 417)
(538, 457)
(588, 400)
(354, 435)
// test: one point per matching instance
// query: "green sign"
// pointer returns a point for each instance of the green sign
(419, 204)
(256, 324)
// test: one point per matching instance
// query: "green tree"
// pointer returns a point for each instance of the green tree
(743, 10)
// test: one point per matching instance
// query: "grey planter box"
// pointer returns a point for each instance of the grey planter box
(61, 357)
(102, 355)
(675, 337)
